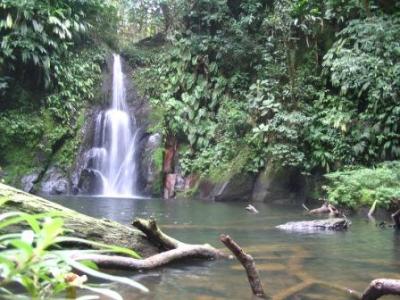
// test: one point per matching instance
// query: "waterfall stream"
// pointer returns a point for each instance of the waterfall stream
(112, 159)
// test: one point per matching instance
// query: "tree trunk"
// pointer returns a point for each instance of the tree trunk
(78, 224)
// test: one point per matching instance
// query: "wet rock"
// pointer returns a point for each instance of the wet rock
(87, 136)
(28, 181)
(151, 170)
(54, 182)
(180, 183)
(316, 225)
(90, 182)
(237, 188)
(275, 185)
(169, 186)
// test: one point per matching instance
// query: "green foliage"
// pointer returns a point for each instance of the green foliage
(329, 132)
(51, 55)
(77, 79)
(302, 83)
(146, 18)
(37, 34)
(364, 63)
(363, 186)
(36, 133)
(278, 132)
(29, 259)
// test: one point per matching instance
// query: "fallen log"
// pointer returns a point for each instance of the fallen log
(173, 250)
(76, 224)
(316, 225)
(247, 262)
(155, 235)
(380, 287)
(152, 262)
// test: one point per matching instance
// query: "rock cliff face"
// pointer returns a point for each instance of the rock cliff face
(236, 188)
(276, 184)
(151, 163)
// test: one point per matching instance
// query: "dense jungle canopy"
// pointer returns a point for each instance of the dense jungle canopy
(312, 85)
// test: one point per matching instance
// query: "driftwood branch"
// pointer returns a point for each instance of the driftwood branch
(155, 235)
(305, 207)
(326, 208)
(176, 250)
(247, 262)
(372, 210)
(380, 287)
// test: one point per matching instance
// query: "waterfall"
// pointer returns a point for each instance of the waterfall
(114, 150)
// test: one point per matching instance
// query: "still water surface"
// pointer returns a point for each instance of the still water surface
(285, 260)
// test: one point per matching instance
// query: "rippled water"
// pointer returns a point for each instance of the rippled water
(286, 261)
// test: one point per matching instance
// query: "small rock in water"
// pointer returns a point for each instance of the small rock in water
(251, 208)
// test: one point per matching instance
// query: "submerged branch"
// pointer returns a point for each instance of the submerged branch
(247, 262)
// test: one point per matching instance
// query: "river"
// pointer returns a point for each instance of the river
(285, 260)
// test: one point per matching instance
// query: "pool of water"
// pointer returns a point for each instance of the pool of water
(291, 265)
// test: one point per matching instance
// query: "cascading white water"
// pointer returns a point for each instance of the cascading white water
(113, 155)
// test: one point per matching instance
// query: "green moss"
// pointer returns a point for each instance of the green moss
(157, 186)
(224, 171)
(158, 158)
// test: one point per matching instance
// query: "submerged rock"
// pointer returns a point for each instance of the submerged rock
(316, 225)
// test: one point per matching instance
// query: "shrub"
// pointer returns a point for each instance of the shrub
(363, 186)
